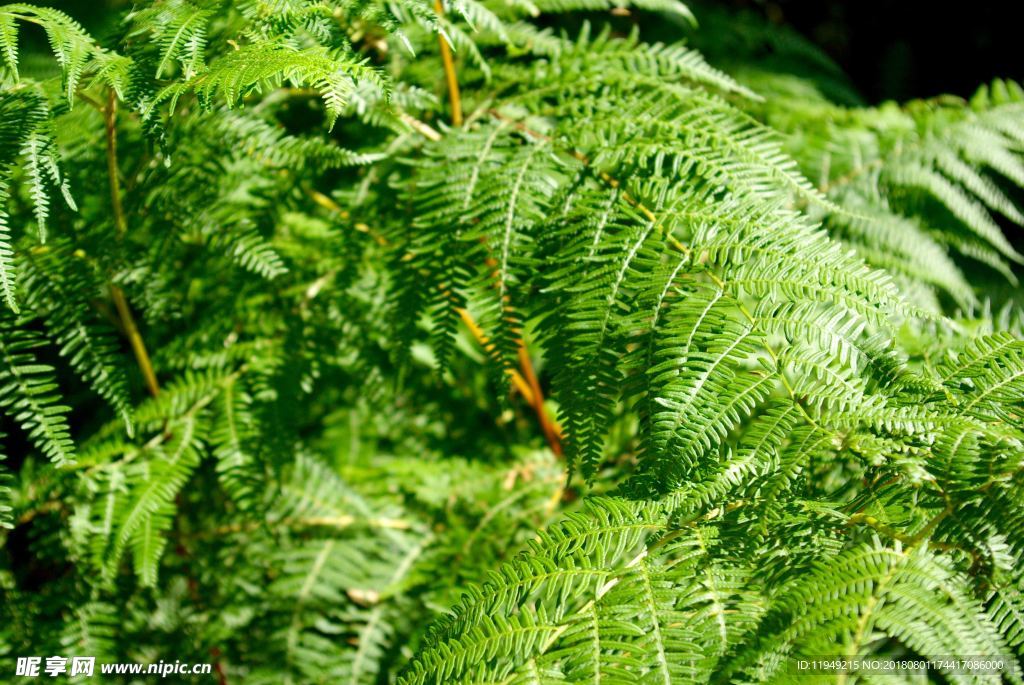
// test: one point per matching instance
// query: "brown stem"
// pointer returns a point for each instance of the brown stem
(135, 339)
(110, 117)
(121, 226)
(525, 382)
(449, 71)
(536, 396)
(551, 432)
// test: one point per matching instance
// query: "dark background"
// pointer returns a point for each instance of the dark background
(903, 49)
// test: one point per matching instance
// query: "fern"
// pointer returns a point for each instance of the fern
(252, 68)
(363, 342)
(25, 131)
(29, 395)
(72, 47)
(87, 343)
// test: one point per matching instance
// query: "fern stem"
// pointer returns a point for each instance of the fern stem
(911, 541)
(449, 70)
(340, 522)
(535, 396)
(110, 118)
(521, 384)
(421, 127)
(135, 339)
(550, 432)
(121, 226)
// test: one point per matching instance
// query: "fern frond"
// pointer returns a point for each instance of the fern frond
(254, 68)
(71, 45)
(180, 31)
(61, 296)
(8, 275)
(27, 393)
(143, 504)
(906, 594)
(25, 131)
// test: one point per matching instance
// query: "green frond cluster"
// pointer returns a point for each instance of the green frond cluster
(29, 392)
(26, 136)
(674, 362)
(60, 296)
(623, 594)
(72, 47)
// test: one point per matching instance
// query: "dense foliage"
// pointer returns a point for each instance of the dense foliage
(502, 341)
